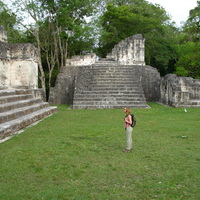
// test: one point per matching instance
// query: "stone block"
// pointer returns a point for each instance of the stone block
(82, 60)
(129, 51)
(18, 64)
(179, 91)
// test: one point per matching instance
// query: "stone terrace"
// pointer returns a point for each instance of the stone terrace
(19, 108)
(109, 86)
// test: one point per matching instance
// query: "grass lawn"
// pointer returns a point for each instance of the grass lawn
(77, 155)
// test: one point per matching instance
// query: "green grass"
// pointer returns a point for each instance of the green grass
(77, 155)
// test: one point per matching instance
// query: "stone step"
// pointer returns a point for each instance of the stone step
(103, 95)
(126, 70)
(13, 105)
(110, 102)
(110, 86)
(110, 77)
(114, 77)
(110, 92)
(118, 72)
(105, 63)
(19, 108)
(105, 106)
(11, 127)
(119, 68)
(114, 71)
(187, 106)
(16, 113)
(114, 82)
(115, 87)
(112, 99)
(12, 98)
(14, 92)
(113, 64)
(195, 102)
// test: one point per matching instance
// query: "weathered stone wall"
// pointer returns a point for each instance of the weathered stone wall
(129, 51)
(63, 91)
(24, 51)
(150, 79)
(18, 74)
(18, 64)
(23, 74)
(179, 91)
(82, 60)
(84, 76)
(170, 90)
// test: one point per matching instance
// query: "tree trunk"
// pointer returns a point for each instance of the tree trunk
(42, 75)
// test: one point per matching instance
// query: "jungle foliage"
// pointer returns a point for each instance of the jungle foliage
(60, 29)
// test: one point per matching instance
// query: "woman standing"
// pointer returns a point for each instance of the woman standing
(129, 129)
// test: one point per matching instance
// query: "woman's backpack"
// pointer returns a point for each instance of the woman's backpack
(133, 120)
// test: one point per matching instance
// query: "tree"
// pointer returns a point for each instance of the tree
(32, 10)
(65, 31)
(188, 63)
(189, 60)
(192, 25)
(134, 16)
(57, 27)
(8, 20)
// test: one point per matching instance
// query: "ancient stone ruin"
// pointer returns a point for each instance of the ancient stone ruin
(21, 101)
(180, 91)
(129, 51)
(121, 79)
(18, 64)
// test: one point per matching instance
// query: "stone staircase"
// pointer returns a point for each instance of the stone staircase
(195, 103)
(19, 109)
(111, 86)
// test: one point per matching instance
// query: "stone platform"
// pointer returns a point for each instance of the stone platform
(19, 109)
(109, 86)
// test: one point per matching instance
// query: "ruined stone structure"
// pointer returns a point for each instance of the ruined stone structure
(129, 51)
(82, 60)
(21, 101)
(122, 79)
(180, 91)
(18, 64)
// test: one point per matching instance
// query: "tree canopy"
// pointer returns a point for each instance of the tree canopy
(9, 20)
(188, 63)
(123, 20)
(58, 29)
(63, 28)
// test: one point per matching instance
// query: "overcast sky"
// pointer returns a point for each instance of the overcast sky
(178, 9)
